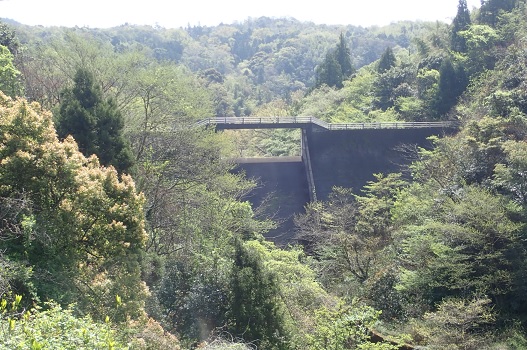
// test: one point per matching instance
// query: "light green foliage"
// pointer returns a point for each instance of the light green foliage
(453, 162)
(480, 40)
(52, 57)
(348, 231)
(454, 231)
(351, 236)
(346, 327)
(457, 249)
(9, 76)
(220, 344)
(300, 292)
(53, 328)
(355, 101)
(267, 142)
(512, 176)
(321, 102)
(458, 324)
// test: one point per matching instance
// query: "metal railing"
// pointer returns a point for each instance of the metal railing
(305, 121)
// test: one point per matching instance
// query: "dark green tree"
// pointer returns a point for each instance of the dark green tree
(330, 72)
(343, 56)
(452, 82)
(336, 67)
(95, 123)
(386, 61)
(461, 22)
(254, 312)
(390, 85)
(490, 10)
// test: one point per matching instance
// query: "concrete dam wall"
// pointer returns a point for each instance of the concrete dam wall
(345, 155)
(349, 158)
(282, 191)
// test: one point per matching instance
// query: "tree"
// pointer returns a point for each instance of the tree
(95, 123)
(390, 85)
(83, 233)
(511, 177)
(480, 40)
(490, 10)
(336, 67)
(8, 38)
(458, 324)
(452, 82)
(9, 76)
(343, 57)
(255, 314)
(329, 72)
(347, 327)
(450, 249)
(386, 61)
(459, 23)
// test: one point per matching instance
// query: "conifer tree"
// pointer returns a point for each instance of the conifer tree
(343, 57)
(329, 72)
(8, 38)
(255, 314)
(386, 61)
(452, 82)
(96, 124)
(336, 67)
(461, 22)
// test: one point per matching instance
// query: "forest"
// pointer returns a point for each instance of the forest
(122, 226)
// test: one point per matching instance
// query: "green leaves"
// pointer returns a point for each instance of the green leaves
(512, 175)
(458, 249)
(58, 328)
(9, 76)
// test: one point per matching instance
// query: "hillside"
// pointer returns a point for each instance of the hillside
(122, 227)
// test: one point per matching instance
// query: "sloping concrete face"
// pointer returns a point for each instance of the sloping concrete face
(345, 158)
(349, 158)
(282, 192)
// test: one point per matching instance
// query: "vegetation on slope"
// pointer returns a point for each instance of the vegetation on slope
(166, 254)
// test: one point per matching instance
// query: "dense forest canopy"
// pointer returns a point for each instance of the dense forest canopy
(123, 227)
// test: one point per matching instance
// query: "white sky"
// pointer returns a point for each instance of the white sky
(108, 13)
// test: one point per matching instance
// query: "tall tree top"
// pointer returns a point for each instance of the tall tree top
(459, 23)
(386, 61)
(343, 56)
(95, 123)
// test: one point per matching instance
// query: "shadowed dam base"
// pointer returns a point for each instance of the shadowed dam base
(282, 192)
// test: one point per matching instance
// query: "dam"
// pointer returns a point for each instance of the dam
(345, 155)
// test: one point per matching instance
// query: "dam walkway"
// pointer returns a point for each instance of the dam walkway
(310, 122)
